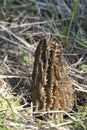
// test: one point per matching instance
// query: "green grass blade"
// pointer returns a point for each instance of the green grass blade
(72, 18)
(9, 106)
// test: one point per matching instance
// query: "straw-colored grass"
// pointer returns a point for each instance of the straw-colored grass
(22, 24)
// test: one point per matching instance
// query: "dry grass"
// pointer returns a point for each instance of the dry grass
(22, 24)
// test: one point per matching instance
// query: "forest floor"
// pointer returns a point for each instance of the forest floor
(22, 25)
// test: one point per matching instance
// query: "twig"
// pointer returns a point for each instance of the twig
(16, 43)
(54, 111)
(14, 76)
(18, 38)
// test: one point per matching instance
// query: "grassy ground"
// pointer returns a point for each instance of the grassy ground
(22, 24)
